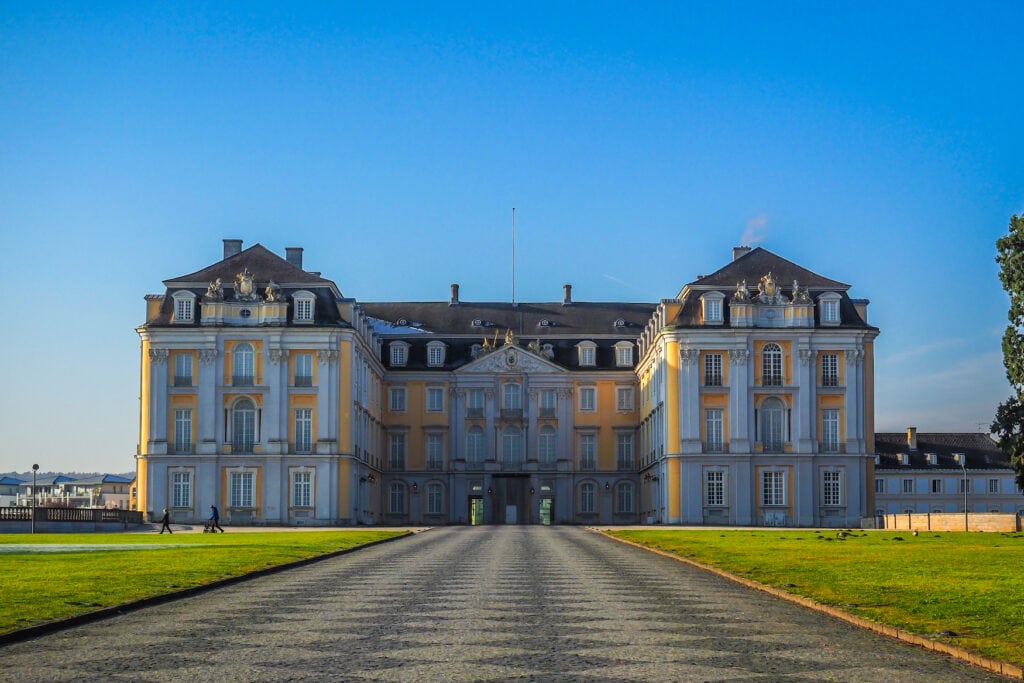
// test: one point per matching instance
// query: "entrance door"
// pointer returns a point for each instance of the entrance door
(476, 510)
(547, 511)
(510, 514)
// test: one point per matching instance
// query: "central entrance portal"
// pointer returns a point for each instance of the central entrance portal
(511, 502)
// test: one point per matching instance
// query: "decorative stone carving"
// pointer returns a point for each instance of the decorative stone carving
(739, 356)
(510, 337)
(509, 361)
(277, 356)
(245, 286)
(800, 296)
(806, 356)
(855, 357)
(688, 356)
(207, 356)
(565, 393)
(741, 294)
(158, 356)
(326, 356)
(215, 292)
(768, 291)
(272, 293)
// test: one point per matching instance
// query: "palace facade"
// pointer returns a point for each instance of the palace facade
(746, 399)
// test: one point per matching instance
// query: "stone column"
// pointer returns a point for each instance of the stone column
(158, 415)
(208, 411)
(740, 424)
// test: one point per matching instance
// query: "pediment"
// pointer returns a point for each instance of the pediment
(510, 358)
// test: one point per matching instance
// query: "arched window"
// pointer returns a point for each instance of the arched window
(771, 365)
(772, 425)
(513, 396)
(243, 426)
(588, 498)
(242, 366)
(475, 446)
(512, 447)
(546, 446)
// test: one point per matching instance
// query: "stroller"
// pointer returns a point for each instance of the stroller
(209, 528)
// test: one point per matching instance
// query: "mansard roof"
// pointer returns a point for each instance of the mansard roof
(982, 452)
(263, 263)
(757, 263)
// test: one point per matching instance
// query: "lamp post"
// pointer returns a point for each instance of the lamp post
(35, 468)
(962, 459)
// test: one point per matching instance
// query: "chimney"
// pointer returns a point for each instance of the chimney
(455, 295)
(738, 252)
(294, 256)
(566, 294)
(912, 438)
(232, 247)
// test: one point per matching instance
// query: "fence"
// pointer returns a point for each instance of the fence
(15, 519)
(952, 521)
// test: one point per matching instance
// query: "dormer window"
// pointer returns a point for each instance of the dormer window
(399, 354)
(303, 307)
(828, 309)
(624, 355)
(184, 307)
(435, 354)
(587, 353)
(711, 304)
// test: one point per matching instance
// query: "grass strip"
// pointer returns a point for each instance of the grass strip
(953, 587)
(38, 587)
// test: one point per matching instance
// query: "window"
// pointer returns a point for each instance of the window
(435, 399)
(183, 369)
(181, 489)
(908, 486)
(475, 403)
(396, 452)
(936, 486)
(241, 489)
(713, 430)
(399, 354)
(773, 487)
(184, 307)
(183, 430)
(879, 485)
(303, 307)
(548, 402)
(243, 426)
(302, 489)
(512, 396)
(475, 446)
(588, 498)
(624, 497)
(624, 398)
(512, 447)
(714, 487)
(713, 370)
(546, 446)
(830, 311)
(303, 430)
(771, 365)
(588, 451)
(435, 451)
(588, 399)
(832, 488)
(624, 355)
(772, 424)
(993, 486)
(396, 399)
(435, 499)
(830, 430)
(587, 353)
(965, 486)
(243, 372)
(303, 369)
(830, 370)
(712, 305)
(624, 452)
(435, 354)
(396, 499)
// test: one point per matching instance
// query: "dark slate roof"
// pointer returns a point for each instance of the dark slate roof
(982, 452)
(265, 266)
(752, 267)
(417, 323)
(757, 263)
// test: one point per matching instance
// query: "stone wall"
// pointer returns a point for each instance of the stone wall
(952, 521)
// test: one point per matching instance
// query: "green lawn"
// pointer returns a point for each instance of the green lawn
(969, 584)
(39, 587)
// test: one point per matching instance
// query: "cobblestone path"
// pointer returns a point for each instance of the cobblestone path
(479, 603)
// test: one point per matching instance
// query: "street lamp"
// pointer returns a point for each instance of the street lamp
(962, 459)
(35, 468)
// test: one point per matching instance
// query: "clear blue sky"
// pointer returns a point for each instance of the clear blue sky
(876, 143)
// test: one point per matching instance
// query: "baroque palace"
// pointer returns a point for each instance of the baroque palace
(747, 399)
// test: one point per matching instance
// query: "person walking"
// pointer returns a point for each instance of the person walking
(165, 522)
(215, 518)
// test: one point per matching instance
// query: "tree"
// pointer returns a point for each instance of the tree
(1009, 421)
